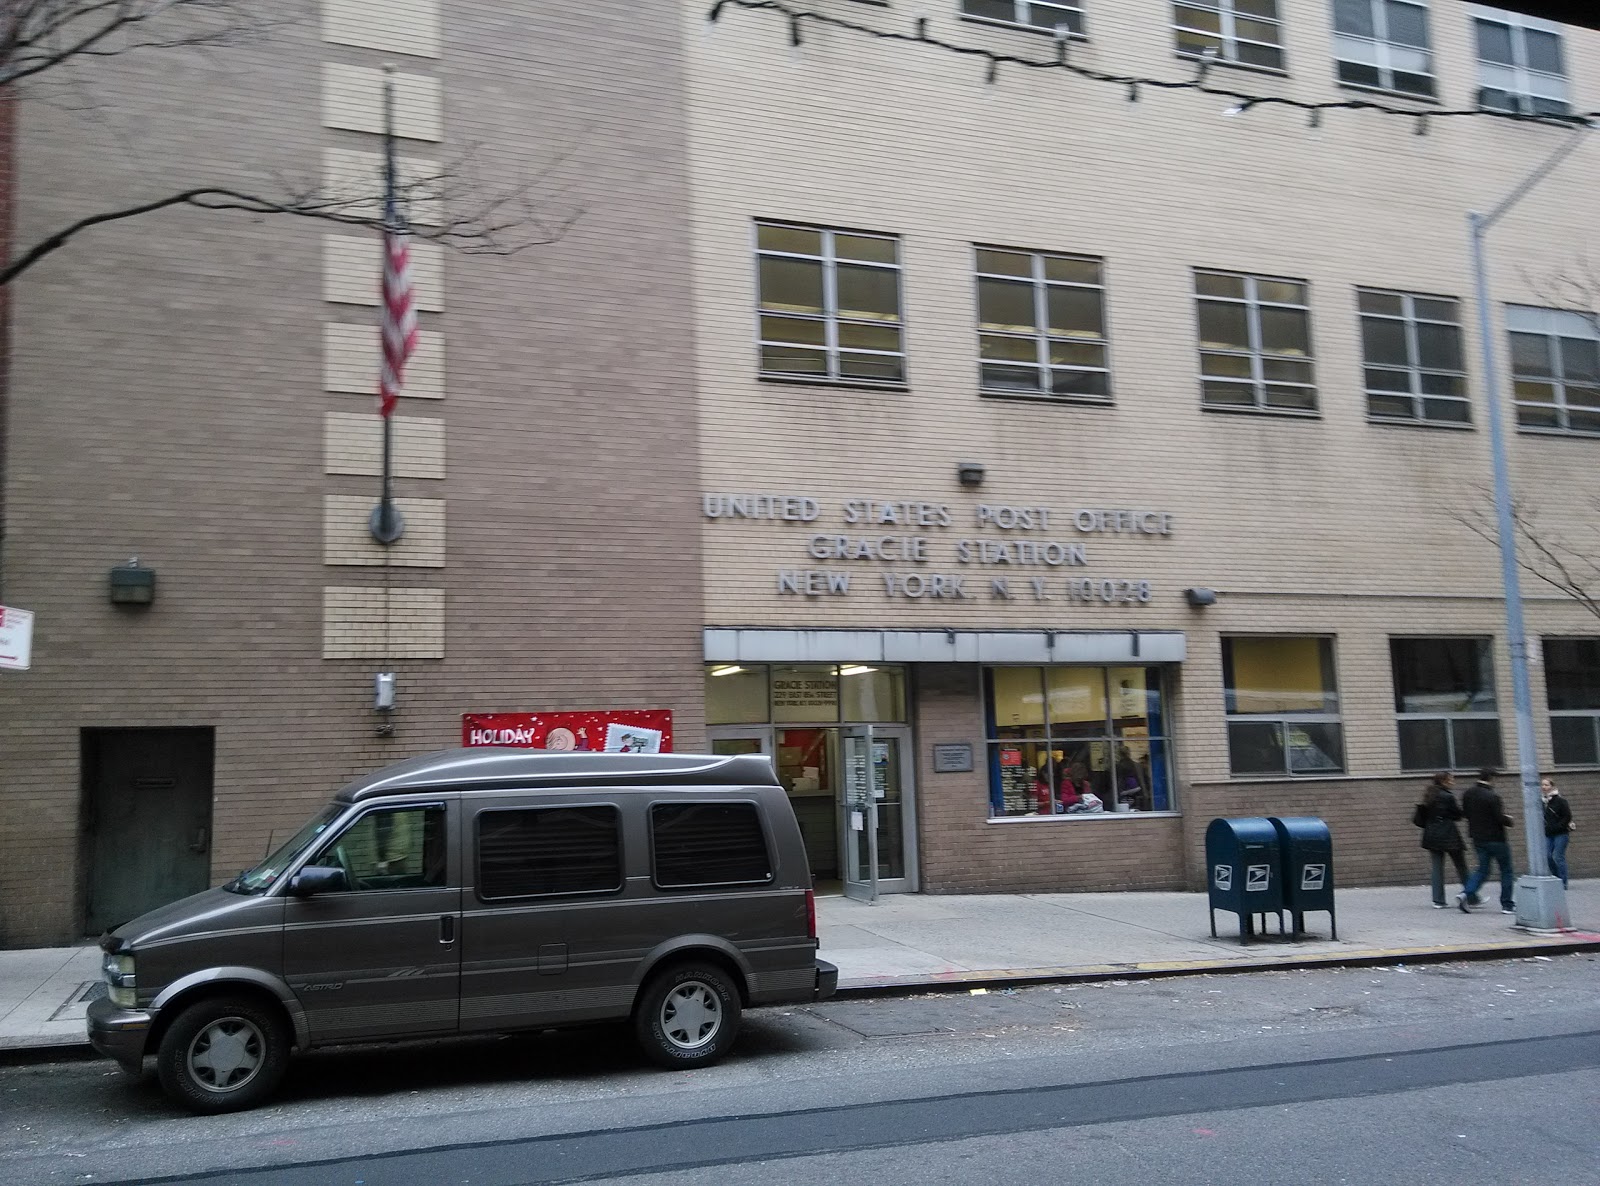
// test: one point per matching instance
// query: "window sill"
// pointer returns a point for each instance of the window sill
(1228, 63)
(1558, 433)
(1017, 27)
(845, 384)
(1069, 817)
(1275, 413)
(1392, 94)
(1077, 401)
(1447, 425)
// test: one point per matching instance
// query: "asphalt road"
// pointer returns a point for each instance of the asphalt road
(1447, 1073)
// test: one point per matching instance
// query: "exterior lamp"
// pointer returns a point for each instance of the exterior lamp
(132, 585)
(970, 473)
(383, 702)
(1200, 598)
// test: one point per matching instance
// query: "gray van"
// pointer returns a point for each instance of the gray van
(476, 891)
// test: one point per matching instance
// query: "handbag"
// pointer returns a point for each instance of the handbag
(1420, 815)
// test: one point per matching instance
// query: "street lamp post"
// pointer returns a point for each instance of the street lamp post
(1541, 900)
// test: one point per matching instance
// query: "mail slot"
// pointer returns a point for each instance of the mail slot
(1243, 871)
(1305, 848)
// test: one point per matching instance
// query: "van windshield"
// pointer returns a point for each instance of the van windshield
(260, 879)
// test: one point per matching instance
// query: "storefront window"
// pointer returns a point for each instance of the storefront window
(1444, 699)
(804, 694)
(1572, 684)
(1282, 705)
(1076, 740)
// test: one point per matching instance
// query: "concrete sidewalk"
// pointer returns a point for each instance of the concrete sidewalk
(930, 940)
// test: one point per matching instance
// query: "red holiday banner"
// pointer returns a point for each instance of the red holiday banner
(645, 730)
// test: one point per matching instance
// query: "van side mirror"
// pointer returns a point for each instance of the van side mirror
(317, 879)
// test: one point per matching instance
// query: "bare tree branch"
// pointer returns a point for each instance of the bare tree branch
(1571, 571)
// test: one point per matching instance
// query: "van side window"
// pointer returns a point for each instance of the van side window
(403, 848)
(523, 852)
(706, 844)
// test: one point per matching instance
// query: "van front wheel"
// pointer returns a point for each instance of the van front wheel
(223, 1054)
(688, 1016)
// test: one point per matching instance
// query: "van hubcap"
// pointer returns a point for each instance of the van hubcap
(691, 1015)
(226, 1054)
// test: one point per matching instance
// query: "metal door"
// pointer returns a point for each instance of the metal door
(860, 811)
(146, 820)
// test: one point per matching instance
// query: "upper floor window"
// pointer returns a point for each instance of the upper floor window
(1255, 343)
(1041, 325)
(1520, 66)
(1572, 686)
(1444, 699)
(1555, 369)
(830, 304)
(1245, 32)
(1035, 14)
(1282, 705)
(1411, 345)
(1383, 44)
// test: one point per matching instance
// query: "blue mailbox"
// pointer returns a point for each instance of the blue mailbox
(1243, 872)
(1306, 849)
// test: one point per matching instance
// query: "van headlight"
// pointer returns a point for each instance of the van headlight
(118, 973)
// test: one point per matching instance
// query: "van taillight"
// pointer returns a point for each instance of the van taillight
(811, 913)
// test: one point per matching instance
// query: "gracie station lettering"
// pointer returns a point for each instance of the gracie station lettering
(929, 551)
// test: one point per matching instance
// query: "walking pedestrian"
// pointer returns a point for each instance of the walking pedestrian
(1558, 827)
(1436, 815)
(1487, 822)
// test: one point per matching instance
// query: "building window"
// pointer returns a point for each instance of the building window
(1245, 32)
(1572, 687)
(1555, 369)
(702, 845)
(830, 305)
(1282, 705)
(1520, 65)
(1042, 325)
(1383, 44)
(1076, 740)
(540, 851)
(1031, 14)
(1411, 345)
(1255, 343)
(1444, 698)
(809, 693)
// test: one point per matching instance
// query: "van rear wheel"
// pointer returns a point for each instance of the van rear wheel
(687, 1016)
(223, 1054)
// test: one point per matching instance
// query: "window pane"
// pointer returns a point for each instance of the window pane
(1285, 370)
(1530, 355)
(1084, 354)
(1223, 284)
(993, 346)
(800, 330)
(736, 695)
(1583, 397)
(1443, 385)
(1078, 271)
(1229, 394)
(1135, 701)
(865, 247)
(1284, 292)
(790, 360)
(805, 694)
(1424, 745)
(1315, 747)
(1077, 701)
(1300, 399)
(1285, 331)
(875, 368)
(1279, 675)
(1573, 739)
(791, 285)
(1442, 675)
(1354, 17)
(1255, 31)
(872, 693)
(1453, 411)
(1084, 383)
(1384, 342)
(705, 844)
(1378, 380)
(1494, 42)
(1266, 8)
(1225, 366)
(1572, 673)
(1006, 263)
(1439, 346)
(1006, 304)
(869, 337)
(1435, 310)
(1010, 378)
(1407, 23)
(1018, 698)
(1359, 75)
(1076, 312)
(1537, 417)
(788, 238)
(1580, 360)
(1197, 18)
(389, 850)
(1477, 743)
(1390, 303)
(1256, 747)
(1225, 326)
(1534, 393)
(868, 292)
(1391, 407)
(1544, 51)
(562, 850)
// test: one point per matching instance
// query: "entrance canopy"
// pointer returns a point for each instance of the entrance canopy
(756, 645)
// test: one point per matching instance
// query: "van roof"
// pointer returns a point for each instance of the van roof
(498, 767)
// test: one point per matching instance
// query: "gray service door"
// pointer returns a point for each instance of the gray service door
(146, 820)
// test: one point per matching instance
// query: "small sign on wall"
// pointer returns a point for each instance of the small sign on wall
(16, 638)
(952, 758)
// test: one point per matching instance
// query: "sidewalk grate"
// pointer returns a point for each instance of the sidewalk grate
(78, 999)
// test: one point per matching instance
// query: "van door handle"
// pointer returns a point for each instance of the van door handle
(447, 928)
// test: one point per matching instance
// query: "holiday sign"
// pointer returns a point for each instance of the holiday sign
(639, 731)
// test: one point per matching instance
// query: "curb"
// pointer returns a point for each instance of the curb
(1088, 973)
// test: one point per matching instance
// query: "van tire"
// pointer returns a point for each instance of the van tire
(223, 1054)
(687, 1016)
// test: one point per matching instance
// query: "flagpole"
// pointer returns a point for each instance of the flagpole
(386, 527)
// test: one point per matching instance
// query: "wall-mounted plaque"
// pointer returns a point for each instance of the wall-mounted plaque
(955, 758)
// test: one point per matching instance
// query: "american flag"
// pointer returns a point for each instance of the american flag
(399, 309)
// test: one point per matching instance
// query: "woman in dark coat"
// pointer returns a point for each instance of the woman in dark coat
(1437, 815)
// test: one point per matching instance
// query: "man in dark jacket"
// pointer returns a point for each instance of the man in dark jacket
(1487, 822)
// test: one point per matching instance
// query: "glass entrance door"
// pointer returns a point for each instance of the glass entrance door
(860, 807)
